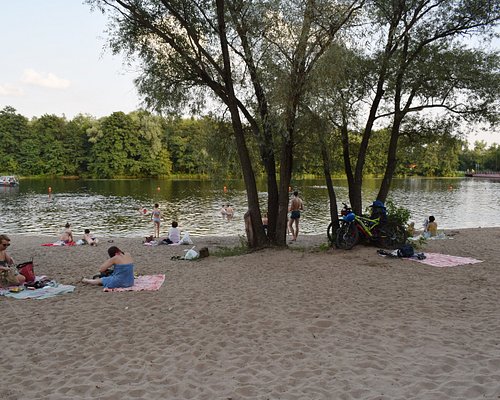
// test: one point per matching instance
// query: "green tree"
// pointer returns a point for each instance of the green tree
(48, 134)
(414, 61)
(114, 146)
(77, 145)
(228, 47)
(152, 156)
(14, 129)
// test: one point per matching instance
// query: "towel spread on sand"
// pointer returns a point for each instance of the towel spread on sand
(60, 243)
(144, 282)
(38, 294)
(445, 260)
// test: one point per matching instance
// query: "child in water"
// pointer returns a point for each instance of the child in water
(156, 218)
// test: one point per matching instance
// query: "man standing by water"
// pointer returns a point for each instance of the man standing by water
(296, 206)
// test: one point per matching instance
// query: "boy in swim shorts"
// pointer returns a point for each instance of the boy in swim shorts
(296, 206)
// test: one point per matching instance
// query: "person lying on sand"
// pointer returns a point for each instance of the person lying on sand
(123, 270)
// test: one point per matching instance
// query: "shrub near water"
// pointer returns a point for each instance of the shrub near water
(399, 215)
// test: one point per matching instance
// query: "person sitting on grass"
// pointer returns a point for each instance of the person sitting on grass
(123, 270)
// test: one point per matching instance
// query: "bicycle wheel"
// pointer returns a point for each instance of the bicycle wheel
(347, 236)
(392, 236)
(330, 232)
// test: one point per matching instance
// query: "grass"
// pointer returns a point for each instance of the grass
(238, 250)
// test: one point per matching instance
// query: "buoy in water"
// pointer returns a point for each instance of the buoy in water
(225, 189)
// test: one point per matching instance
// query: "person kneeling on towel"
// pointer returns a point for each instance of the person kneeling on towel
(123, 270)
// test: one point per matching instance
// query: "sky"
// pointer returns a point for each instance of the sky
(54, 61)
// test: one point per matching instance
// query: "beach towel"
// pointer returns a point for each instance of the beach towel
(59, 243)
(445, 260)
(144, 282)
(39, 294)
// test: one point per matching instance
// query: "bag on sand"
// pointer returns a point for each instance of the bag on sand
(191, 254)
(186, 239)
(406, 251)
(28, 271)
(8, 278)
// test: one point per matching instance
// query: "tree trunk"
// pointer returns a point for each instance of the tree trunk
(334, 213)
(259, 239)
(390, 168)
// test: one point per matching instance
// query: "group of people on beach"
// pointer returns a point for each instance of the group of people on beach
(122, 264)
(227, 212)
(66, 237)
(430, 228)
(174, 232)
(116, 272)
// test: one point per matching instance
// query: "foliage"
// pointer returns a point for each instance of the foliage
(480, 158)
(50, 145)
(397, 214)
(14, 130)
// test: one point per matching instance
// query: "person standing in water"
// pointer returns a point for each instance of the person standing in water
(296, 206)
(156, 218)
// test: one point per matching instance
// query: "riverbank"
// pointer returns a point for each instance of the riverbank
(296, 323)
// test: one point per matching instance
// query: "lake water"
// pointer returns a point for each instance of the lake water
(112, 207)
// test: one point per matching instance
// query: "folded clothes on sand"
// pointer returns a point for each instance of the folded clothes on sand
(445, 260)
(144, 282)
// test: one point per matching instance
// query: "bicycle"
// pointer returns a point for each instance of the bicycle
(355, 227)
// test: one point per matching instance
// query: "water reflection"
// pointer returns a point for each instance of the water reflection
(113, 207)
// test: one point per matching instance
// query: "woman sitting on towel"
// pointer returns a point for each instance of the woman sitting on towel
(123, 270)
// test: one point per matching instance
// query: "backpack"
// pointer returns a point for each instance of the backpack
(27, 270)
(405, 251)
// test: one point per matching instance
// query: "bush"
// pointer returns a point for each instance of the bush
(399, 215)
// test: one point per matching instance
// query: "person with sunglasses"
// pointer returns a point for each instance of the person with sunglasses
(9, 276)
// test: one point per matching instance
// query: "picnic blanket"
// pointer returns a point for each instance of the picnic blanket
(38, 294)
(143, 282)
(445, 260)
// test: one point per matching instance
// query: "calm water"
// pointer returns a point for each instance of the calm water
(112, 207)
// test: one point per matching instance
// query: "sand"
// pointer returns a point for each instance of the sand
(298, 323)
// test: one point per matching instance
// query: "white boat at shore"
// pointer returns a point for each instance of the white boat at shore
(8, 180)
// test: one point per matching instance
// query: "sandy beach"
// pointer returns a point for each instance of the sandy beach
(296, 323)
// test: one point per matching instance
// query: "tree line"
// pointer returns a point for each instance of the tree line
(140, 144)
